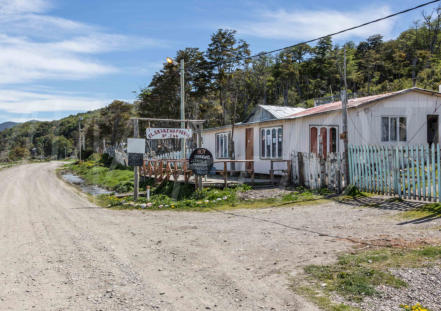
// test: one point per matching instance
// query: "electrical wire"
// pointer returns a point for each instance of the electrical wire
(334, 33)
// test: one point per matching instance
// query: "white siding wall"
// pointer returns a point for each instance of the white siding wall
(364, 127)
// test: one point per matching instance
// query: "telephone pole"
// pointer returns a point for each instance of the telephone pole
(79, 138)
(136, 168)
(344, 101)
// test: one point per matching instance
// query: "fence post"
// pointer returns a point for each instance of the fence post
(322, 172)
(439, 172)
(397, 173)
(301, 169)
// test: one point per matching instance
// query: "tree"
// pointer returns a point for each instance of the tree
(224, 53)
(115, 121)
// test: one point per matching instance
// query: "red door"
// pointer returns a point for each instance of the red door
(324, 141)
(313, 140)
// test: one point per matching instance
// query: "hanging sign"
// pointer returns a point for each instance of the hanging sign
(136, 145)
(164, 133)
(201, 161)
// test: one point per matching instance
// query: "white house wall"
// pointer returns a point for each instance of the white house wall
(364, 127)
(365, 122)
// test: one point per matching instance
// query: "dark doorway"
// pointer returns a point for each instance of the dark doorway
(432, 129)
(249, 147)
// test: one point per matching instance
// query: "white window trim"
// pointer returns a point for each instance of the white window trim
(398, 129)
(222, 154)
(277, 142)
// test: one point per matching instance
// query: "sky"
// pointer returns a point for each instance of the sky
(60, 57)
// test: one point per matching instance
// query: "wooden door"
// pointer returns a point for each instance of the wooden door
(249, 146)
(324, 141)
(313, 140)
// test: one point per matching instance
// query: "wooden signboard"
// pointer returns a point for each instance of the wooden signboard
(201, 161)
(136, 159)
(165, 133)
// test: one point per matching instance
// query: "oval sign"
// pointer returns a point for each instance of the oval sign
(201, 161)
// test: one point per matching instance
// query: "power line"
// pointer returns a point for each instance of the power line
(338, 32)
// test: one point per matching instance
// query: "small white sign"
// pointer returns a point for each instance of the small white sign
(136, 145)
(164, 133)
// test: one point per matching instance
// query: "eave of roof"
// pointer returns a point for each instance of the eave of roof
(357, 102)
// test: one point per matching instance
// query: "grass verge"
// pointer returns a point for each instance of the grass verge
(427, 210)
(356, 276)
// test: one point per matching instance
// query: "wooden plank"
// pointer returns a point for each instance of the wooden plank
(402, 173)
(429, 177)
(363, 167)
(390, 156)
(397, 172)
(409, 195)
(351, 169)
(383, 170)
(423, 172)
(378, 168)
(358, 161)
(371, 166)
(438, 171)
(368, 169)
(433, 173)
(412, 149)
(418, 170)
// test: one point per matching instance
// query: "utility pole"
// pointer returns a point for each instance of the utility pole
(79, 138)
(182, 76)
(136, 169)
(344, 101)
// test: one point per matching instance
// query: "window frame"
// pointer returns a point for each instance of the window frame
(225, 146)
(397, 133)
(328, 137)
(273, 145)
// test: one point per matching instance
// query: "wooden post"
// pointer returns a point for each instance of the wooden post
(272, 171)
(225, 174)
(136, 169)
(301, 169)
(345, 124)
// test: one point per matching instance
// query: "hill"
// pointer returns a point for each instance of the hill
(7, 125)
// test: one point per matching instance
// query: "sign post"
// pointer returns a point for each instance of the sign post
(136, 149)
(201, 163)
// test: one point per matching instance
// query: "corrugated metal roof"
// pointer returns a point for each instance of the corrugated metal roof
(281, 112)
(355, 102)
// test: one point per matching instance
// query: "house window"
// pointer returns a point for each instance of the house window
(393, 129)
(323, 139)
(271, 142)
(222, 145)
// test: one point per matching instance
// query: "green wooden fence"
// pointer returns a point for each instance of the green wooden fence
(410, 172)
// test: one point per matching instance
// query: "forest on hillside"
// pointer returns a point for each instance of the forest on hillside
(223, 84)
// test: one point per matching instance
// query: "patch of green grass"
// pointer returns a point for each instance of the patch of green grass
(171, 195)
(427, 210)
(355, 276)
(94, 172)
(322, 301)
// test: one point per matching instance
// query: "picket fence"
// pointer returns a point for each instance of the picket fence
(410, 172)
(316, 172)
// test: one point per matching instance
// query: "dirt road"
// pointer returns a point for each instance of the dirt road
(60, 252)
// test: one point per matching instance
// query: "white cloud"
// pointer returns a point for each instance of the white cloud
(37, 46)
(28, 102)
(307, 24)
(23, 6)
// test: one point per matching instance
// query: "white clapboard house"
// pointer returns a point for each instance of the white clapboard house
(409, 116)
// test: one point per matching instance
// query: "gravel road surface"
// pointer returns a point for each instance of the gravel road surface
(58, 251)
